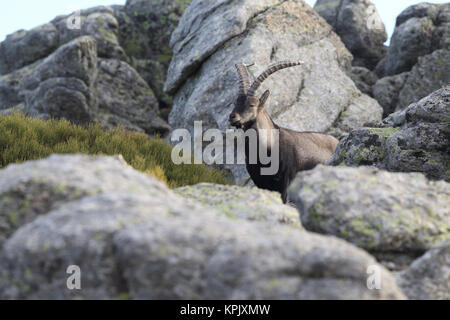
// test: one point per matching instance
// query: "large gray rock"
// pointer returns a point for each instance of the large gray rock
(10, 86)
(428, 278)
(68, 83)
(145, 27)
(418, 60)
(396, 216)
(62, 85)
(123, 94)
(420, 30)
(34, 188)
(73, 83)
(246, 203)
(143, 241)
(308, 98)
(97, 22)
(25, 47)
(415, 139)
(431, 73)
(360, 27)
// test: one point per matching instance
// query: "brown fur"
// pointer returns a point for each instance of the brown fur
(298, 150)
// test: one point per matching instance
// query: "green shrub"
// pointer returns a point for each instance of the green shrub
(23, 138)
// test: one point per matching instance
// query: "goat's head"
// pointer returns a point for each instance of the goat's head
(248, 105)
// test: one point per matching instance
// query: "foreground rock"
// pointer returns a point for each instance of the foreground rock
(73, 83)
(415, 139)
(360, 27)
(35, 188)
(248, 203)
(428, 278)
(318, 96)
(396, 216)
(143, 241)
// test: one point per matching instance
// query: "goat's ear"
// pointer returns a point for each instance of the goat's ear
(263, 100)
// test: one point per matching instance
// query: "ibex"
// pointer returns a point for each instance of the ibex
(298, 151)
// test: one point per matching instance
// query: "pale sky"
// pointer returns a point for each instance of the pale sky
(26, 14)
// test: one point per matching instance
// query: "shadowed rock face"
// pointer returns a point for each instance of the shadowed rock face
(359, 25)
(134, 238)
(415, 139)
(125, 95)
(387, 91)
(145, 27)
(318, 96)
(364, 79)
(395, 216)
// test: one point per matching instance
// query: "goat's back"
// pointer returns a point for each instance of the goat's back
(308, 148)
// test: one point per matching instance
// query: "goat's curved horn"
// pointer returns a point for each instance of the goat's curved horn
(244, 80)
(270, 70)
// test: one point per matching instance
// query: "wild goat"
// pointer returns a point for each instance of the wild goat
(297, 150)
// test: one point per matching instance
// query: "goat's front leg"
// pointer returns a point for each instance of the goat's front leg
(284, 189)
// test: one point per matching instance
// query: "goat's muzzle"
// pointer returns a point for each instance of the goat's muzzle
(235, 120)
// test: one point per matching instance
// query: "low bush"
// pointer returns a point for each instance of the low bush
(24, 138)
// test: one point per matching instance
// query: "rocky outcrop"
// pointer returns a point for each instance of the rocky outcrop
(145, 28)
(415, 139)
(84, 77)
(431, 73)
(132, 238)
(34, 188)
(395, 216)
(428, 278)
(73, 83)
(125, 99)
(62, 85)
(359, 25)
(418, 59)
(245, 203)
(97, 22)
(419, 31)
(25, 47)
(318, 96)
